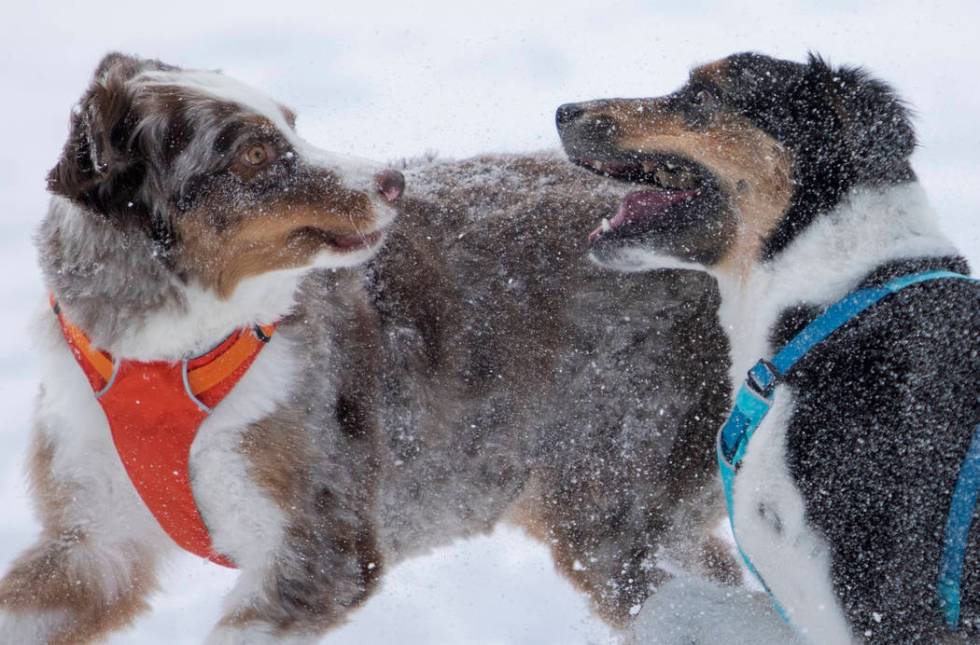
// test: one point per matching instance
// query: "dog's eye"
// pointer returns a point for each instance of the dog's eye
(257, 155)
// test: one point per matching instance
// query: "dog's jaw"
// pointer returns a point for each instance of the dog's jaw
(122, 294)
(205, 319)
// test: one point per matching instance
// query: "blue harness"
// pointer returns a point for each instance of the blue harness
(755, 398)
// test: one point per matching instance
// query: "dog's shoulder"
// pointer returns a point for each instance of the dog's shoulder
(891, 390)
(916, 331)
(882, 416)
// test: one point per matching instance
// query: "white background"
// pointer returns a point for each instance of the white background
(386, 80)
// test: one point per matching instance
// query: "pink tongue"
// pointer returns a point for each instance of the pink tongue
(643, 204)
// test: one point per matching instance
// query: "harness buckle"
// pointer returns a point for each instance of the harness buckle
(763, 378)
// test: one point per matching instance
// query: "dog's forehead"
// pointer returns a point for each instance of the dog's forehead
(750, 73)
(729, 73)
(224, 89)
(221, 88)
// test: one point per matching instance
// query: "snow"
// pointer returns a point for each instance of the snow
(386, 80)
(689, 610)
(485, 591)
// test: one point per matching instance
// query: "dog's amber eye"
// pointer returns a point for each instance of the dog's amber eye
(257, 154)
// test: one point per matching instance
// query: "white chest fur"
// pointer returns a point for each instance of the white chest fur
(243, 521)
(771, 527)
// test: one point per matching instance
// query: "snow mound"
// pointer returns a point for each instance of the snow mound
(691, 611)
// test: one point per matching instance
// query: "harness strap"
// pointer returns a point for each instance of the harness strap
(154, 410)
(847, 309)
(765, 375)
(958, 531)
(755, 398)
(97, 365)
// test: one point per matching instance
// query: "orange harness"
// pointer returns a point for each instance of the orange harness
(154, 410)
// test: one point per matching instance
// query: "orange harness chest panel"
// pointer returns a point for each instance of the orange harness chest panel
(154, 410)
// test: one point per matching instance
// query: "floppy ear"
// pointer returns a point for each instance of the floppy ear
(874, 123)
(101, 125)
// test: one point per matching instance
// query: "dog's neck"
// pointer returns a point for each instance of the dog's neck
(871, 227)
(115, 286)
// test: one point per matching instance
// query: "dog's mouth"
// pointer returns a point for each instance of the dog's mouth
(342, 242)
(671, 184)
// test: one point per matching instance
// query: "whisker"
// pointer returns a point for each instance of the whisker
(354, 224)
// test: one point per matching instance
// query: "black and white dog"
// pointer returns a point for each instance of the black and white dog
(791, 184)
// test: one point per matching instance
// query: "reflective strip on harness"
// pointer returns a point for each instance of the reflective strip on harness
(755, 397)
(154, 410)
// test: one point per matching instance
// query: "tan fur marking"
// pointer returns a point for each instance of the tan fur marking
(290, 115)
(715, 72)
(525, 512)
(47, 578)
(50, 498)
(719, 563)
(536, 516)
(280, 235)
(753, 169)
(277, 449)
(241, 618)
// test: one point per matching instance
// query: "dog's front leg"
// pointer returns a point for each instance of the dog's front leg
(310, 587)
(306, 542)
(320, 574)
(94, 564)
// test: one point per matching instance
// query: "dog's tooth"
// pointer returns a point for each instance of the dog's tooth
(671, 165)
(606, 226)
(598, 165)
(649, 166)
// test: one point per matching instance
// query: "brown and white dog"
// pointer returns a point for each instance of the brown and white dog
(480, 370)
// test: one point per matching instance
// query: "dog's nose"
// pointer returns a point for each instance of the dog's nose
(567, 113)
(391, 184)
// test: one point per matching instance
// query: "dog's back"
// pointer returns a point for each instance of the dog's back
(882, 417)
(517, 368)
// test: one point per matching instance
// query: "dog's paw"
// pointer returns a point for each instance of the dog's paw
(688, 611)
(29, 627)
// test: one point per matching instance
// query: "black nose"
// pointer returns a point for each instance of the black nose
(567, 113)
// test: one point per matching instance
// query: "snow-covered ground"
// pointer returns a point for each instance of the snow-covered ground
(391, 79)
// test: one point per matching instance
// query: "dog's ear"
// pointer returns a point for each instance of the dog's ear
(101, 126)
(874, 123)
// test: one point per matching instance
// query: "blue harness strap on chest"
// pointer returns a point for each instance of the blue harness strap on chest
(755, 398)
